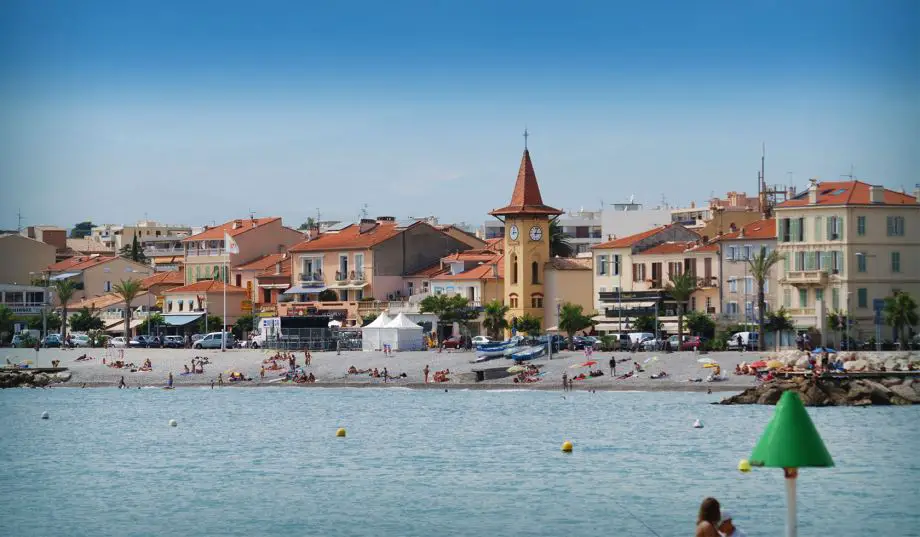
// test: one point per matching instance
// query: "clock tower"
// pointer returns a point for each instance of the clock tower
(527, 240)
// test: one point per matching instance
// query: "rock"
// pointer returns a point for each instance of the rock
(906, 392)
(833, 392)
(770, 396)
(63, 376)
(890, 381)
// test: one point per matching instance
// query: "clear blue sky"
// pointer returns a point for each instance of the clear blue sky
(193, 113)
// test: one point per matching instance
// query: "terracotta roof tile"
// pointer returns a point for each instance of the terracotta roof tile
(570, 263)
(80, 262)
(261, 263)
(206, 286)
(704, 248)
(472, 255)
(667, 248)
(217, 232)
(526, 198)
(175, 277)
(626, 242)
(496, 245)
(270, 271)
(429, 271)
(759, 230)
(104, 301)
(350, 238)
(480, 272)
(847, 193)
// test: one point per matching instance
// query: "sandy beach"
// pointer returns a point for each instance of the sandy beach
(330, 369)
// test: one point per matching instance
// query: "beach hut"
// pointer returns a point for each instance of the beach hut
(402, 334)
(370, 334)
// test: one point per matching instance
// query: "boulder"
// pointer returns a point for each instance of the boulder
(906, 393)
(833, 392)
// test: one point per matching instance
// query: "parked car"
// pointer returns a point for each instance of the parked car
(479, 340)
(636, 338)
(80, 340)
(118, 342)
(144, 342)
(748, 341)
(455, 342)
(213, 341)
(21, 340)
(173, 342)
(692, 343)
(651, 344)
(51, 340)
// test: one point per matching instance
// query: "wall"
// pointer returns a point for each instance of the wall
(94, 278)
(740, 268)
(20, 256)
(527, 252)
(574, 286)
(214, 303)
(625, 223)
(417, 247)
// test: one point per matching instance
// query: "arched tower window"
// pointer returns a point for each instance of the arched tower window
(534, 272)
(514, 269)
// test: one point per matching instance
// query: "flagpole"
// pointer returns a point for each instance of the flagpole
(223, 335)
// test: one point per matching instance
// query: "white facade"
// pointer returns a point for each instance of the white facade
(582, 229)
(624, 219)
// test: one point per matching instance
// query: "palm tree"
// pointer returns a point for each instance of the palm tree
(572, 318)
(760, 266)
(558, 243)
(495, 318)
(65, 290)
(900, 313)
(128, 291)
(680, 288)
(779, 322)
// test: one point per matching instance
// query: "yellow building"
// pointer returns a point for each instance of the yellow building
(527, 239)
(569, 280)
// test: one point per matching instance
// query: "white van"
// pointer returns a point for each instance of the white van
(638, 337)
(748, 339)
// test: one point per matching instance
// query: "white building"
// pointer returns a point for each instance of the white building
(582, 229)
(625, 219)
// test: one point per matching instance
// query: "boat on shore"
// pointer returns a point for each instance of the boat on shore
(528, 353)
(495, 349)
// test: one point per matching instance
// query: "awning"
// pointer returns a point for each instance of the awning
(297, 290)
(113, 323)
(181, 319)
(64, 276)
(353, 286)
(630, 304)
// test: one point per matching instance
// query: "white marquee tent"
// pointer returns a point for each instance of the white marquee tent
(402, 334)
(371, 337)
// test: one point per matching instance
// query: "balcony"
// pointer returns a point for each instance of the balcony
(314, 278)
(156, 252)
(356, 276)
(709, 282)
(806, 278)
(206, 252)
(801, 312)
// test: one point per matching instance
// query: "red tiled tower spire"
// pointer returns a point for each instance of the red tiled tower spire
(526, 199)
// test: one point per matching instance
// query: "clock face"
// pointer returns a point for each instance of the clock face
(536, 233)
(513, 233)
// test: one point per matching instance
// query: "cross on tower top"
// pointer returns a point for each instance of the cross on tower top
(526, 135)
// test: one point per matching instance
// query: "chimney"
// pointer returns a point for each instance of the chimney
(278, 268)
(917, 192)
(693, 205)
(813, 191)
(366, 224)
(876, 194)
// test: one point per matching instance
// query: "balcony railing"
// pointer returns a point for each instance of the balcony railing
(806, 277)
(192, 252)
(312, 277)
(356, 276)
(151, 252)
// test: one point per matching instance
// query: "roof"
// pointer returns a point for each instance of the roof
(496, 245)
(88, 246)
(244, 225)
(847, 193)
(80, 262)
(270, 271)
(480, 272)
(712, 246)
(428, 272)
(106, 300)
(262, 263)
(206, 286)
(571, 263)
(350, 238)
(759, 230)
(626, 242)
(526, 198)
(173, 277)
(470, 255)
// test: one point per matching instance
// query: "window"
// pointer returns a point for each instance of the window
(343, 295)
(343, 267)
(731, 308)
(674, 269)
(514, 269)
(181, 304)
(616, 264)
(783, 231)
(239, 280)
(107, 286)
(800, 261)
(810, 263)
(862, 297)
(266, 296)
(534, 272)
(359, 294)
(732, 285)
(837, 260)
(803, 298)
(693, 303)
(895, 261)
(860, 225)
(602, 265)
(359, 266)
(748, 252)
(819, 295)
(638, 272)
(834, 228)
(731, 253)
(656, 275)
(819, 222)
(169, 305)
(513, 301)
(707, 269)
(708, 304)
(835, 299)
(861, 263)
(748, 285)
(895, 226)
(536, 301)
(787, 298)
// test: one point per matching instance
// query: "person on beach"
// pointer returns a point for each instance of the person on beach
(261, 373)
(122, 384)
(565, 382)
(740, 343)
(386, 375)
(708, 518)
(169, 380)
(306, 357)
(212, 384)
(425, 372)
(727, 527)
(220, 379)
(613, 366)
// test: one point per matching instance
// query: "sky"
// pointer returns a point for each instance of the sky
(204, 111)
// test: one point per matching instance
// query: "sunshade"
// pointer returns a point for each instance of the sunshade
(706, 361)
(758, 364)
(589, 363)
(712, 365)
(516, 369)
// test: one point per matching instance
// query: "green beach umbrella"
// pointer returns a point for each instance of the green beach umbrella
(790, 441)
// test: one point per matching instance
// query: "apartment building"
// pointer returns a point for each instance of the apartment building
(23, 259)
(847, 246)
(95, 275)
(148, 232)
(738, 285)
(186, 304)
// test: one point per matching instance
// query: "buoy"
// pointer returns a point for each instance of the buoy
(697, 424)
(173, 423)
(45, 415)
(567, 447)
(744, 466)
(340, 432)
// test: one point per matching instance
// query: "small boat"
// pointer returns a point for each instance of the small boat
(515, 350)
(496, 348)
(529, 353)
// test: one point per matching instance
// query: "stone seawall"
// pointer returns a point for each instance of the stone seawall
(893, 390)
(23, 378)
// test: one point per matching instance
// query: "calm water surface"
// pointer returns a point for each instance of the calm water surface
(418, 463)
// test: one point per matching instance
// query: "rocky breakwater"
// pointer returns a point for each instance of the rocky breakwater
(831, 391)
(23, 378)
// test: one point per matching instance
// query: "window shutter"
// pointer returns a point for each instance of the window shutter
(817, 228)
(830, 228)
(840, 261)
(888, 222)
(840, 228)
(826, 261)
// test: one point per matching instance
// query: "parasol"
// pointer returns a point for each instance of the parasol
(706, 361)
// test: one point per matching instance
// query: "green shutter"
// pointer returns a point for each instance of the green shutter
(840, 257)
(786, 262)
(818, 228)
(840, 227)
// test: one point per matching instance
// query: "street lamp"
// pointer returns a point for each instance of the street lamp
(847, 328)
(719, 210)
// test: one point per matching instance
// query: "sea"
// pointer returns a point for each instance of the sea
(267, 461)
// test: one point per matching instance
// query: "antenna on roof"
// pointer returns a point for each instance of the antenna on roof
(850, 175)
(252, 214)
(19, 218)
(364, 211)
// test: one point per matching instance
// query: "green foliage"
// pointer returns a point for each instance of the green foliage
(778, 322)
(133, 252)
(6, 323)
(243, 326)
(214, 324)
(53, 322)
(85, 320)
(27, 342)
(449, 309)
(369, 318)
(328, 295)
(700, 324)
(558, 243)
(128, 291)
(154, 320)
(64, 289)
(81, 230)
(527, 324)
(309, 224)
(97, 338)
(646, 323)
(760, 266)
(572, 318)
(496, 318)
(900, 313)
(680, 288)
(837, 319)
(609, 343)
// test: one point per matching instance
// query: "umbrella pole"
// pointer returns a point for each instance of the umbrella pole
(791, 474)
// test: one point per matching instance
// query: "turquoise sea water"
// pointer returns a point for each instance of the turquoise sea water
(266, 462)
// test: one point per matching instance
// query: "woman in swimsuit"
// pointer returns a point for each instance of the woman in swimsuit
(708, 519)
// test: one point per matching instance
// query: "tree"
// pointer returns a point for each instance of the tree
(837, 320)
(65, 290)
(646, 323)
(778, 322)
(572, 318)
(213, 323)
(558, 243)
(309, 224)
(52, 321)
(449, 309)
(700, 324)
(81, 230)
(328, 295)
(369, 318)
(128, 291)
(154, 320)
(243, 326)
(133, 252)
(680, 288)
(6, 322)
(528, 324)
(85, 320)
(495, 318)
(900, 313)
(760, 266)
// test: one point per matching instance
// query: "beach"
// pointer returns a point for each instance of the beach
(330, 368)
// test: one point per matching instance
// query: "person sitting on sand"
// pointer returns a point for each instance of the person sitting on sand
(352, 370)
(186, 369)
(311, 379)
(375, 374)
